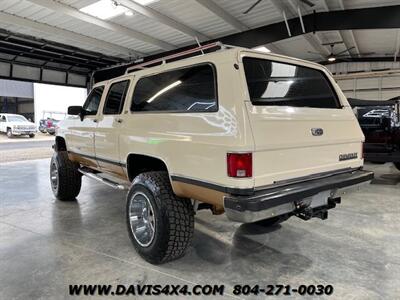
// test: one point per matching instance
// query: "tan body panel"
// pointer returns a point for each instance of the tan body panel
(195, 145)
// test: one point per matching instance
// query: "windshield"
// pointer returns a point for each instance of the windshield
(16, 119)
(281, 84)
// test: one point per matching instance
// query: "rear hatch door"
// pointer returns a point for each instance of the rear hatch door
(301, 126)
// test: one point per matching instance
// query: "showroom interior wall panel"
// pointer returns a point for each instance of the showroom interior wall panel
(374, 88)
(4, 69)
(76, 79)
(25, 72)
(54, 76)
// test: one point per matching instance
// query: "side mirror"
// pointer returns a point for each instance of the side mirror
(76, 111)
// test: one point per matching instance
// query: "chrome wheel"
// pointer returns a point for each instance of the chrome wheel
(54, 176)
(142, 219)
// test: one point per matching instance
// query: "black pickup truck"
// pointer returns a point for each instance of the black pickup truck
(380, 122)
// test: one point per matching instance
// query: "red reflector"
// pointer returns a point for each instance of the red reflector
(240, 164)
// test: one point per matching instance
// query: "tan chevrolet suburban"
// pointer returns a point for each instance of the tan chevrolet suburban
(261, 137)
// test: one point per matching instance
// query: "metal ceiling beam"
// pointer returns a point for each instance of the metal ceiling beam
(383, 17)
(76, 14)
(51, 30)
(163, 19)
(363, 59)
(221, 13)
(14, 45)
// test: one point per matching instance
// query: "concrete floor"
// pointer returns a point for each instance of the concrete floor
(46, 245)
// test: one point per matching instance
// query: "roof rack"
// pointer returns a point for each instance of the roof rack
(163, 60)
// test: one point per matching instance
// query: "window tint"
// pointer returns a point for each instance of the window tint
(115, 98)
(93, 101)
(190, 89)
(273, 83)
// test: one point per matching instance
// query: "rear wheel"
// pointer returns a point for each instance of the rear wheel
(397, 165)
(32, 135)
(65, 178)
(160, 224)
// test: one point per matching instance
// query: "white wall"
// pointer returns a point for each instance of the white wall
(56, 98)
(373, 88)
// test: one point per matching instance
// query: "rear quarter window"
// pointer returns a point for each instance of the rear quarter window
(189, 89)
(280, 84)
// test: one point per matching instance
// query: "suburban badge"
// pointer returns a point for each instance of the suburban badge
(348, 156)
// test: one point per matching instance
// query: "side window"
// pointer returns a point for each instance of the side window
(93, 101)
(191, 89)
(115, 98)
(2, 118)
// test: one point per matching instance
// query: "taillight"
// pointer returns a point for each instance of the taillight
(240, 164)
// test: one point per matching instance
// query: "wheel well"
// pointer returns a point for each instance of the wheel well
(137, 163)
(60, 144)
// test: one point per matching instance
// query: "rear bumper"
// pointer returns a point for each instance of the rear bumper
(274, 201)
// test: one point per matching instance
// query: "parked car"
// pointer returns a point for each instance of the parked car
(49, 121)
(261, 137)
(380, 122)
(13, 124)
(48, 125)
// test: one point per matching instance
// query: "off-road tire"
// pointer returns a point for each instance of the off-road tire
(69, 178)
(9, 133)
(174, 218)
(32, 135)
(397, 165)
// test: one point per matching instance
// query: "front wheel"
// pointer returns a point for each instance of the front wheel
(9, 133)
(65, 178)
(160, 224)
(32, 135)
(397, 165)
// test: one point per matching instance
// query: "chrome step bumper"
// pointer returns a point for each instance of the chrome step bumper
(275, 201)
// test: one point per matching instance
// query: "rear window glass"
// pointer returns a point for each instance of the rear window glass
(191, 89)
(275, 83)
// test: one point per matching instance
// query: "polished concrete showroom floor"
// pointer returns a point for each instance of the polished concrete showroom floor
(45, 245)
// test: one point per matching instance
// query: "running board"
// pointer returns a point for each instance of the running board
(106, 181)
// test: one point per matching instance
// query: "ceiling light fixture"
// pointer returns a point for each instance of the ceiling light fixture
(145, 2)
(331, 58)
(262, 49)
(104, 9)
